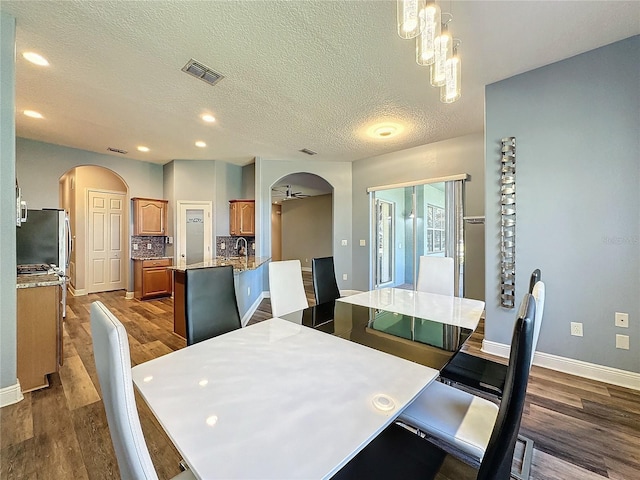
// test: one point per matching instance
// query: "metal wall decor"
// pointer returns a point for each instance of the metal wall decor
(508, 223)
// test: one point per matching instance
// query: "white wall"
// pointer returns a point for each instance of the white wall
(577, 125)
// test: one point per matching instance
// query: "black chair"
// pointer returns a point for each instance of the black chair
(399, 453)
(325, 287)
(211, 307)
(480, 373)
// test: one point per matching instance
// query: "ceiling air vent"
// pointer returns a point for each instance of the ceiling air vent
(117, 150)
(202, 72)
(308, 152)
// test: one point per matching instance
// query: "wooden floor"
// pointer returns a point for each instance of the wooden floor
(582, 429)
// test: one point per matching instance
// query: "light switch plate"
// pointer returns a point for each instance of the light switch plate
(345, 276)
(135, 246)
(363, 243)
(344, 243)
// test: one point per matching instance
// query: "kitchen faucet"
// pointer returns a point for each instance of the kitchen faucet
(246, 248)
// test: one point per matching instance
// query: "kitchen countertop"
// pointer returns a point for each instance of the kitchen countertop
(45, 280)
(151, 258)
(240, 264)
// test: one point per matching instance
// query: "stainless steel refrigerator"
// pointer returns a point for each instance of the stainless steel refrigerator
(45, 238)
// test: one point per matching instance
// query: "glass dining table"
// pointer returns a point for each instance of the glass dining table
(277, 399)
(422, 327)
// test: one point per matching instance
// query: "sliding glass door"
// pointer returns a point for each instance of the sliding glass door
(412, 221)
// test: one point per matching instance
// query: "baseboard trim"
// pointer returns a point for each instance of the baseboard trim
(129, 296)
(11, 394)
(601, 373)
(306, 269)
(252, 309)
(77, 292)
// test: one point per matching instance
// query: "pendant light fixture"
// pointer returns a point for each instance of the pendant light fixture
(410, 21)
(425, 43)
(451, 90)
(443, 52)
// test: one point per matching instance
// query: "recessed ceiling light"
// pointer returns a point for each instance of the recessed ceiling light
(142, 148)
(33, 114)
(385, 130)
(36, 59)
(208, 118)
(200, 144)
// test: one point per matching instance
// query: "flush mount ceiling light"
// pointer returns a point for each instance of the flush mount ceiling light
(33, 114)
(208, 118)
(386, 130)
(200, 144)
(36, 59)
(142, 148)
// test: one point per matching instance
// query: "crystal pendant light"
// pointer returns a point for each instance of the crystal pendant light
(425, 43)
(450, 91)
(410, 21)
(443, 49)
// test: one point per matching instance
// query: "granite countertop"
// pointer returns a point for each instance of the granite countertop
(45, 280)
(240, 264)
(151, 258)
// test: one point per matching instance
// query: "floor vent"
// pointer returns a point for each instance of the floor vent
(117, 150)
(202, 72)
(308, 152)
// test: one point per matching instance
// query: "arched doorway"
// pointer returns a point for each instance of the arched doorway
(301, 218)
(97, 200)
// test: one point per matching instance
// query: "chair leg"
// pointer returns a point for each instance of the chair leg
(527, 457)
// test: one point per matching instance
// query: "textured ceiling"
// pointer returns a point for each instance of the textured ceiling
(298, 74)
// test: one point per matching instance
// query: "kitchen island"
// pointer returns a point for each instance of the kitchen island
(39, 329)
(240, 265)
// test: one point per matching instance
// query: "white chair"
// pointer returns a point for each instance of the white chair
(435, 275)
(286, 287)
(113, 364)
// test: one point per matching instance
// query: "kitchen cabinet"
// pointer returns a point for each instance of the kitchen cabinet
(242, 217)
(149, 216)
(151, 278)
(39, 335)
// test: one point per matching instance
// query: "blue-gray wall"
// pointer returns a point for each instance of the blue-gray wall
(449, 157)
(577, 127)
(8, 202)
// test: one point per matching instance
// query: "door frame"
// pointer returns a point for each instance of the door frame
(124, 233)
(181, 208)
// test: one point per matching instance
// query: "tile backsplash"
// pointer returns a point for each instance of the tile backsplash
(156, 250)
(229, 249)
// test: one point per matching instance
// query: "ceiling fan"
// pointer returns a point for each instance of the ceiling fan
(288, 194)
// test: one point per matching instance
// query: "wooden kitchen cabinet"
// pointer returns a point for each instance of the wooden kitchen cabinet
(149, 216)
(242, 217)
(39, 335)
(151, 278)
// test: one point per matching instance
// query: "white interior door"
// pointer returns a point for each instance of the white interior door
(193, 239)
(105, 265)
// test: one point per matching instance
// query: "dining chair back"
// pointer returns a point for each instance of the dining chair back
(538, 292)
(398, 452)
(113, 364)
(435, 275)
(535, 277)
(497, 460)
(325, 286)
(286, 287)
(211, 308)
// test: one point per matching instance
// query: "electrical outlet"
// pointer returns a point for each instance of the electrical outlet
(248, 291)
(622, 320)
(135, 246)
(223, 246)
(576, 329)
(622, 341)
(149, 246)
(345, 276)
(344, 243)
(363, 243)
(253, 246)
